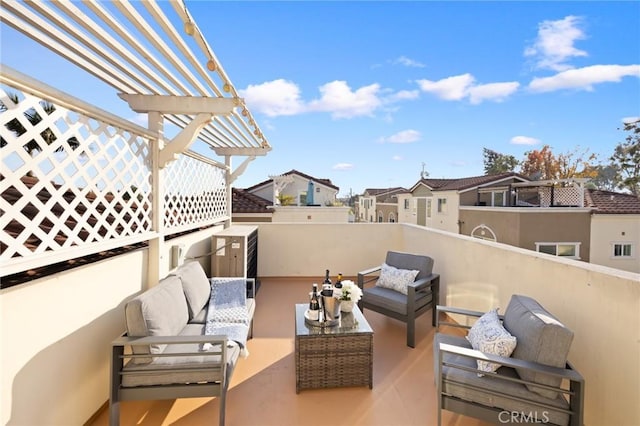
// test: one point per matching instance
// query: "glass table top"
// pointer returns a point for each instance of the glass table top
(350, 323)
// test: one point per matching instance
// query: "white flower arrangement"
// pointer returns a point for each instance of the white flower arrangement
(350, 291)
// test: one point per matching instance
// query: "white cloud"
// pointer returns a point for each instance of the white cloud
(628, 120)
(555, 43)
(403, 95)
(463, 86)
(342, 102)
(274, 98)
(524, 140)
(343, 166)
(405, 136)
(408, 62)
(397, 158)
(584, 78)
(451, 88)
(496, 92)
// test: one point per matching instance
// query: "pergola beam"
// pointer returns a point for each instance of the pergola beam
(168, 104)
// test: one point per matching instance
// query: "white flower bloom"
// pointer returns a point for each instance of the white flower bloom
(350, 291)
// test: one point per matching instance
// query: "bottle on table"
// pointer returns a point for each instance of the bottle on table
(338, 283)
(314, 304)
(327, 287)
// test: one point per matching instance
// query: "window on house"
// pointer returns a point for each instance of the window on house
(442, 205)
(392, 218)
(407, 204)
(622, 250)
(380, 217)
(498, 198)
(429, 207)
(571, 250)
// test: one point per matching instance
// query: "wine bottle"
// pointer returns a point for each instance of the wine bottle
(327, 280)
(314, 304)
(338, 283)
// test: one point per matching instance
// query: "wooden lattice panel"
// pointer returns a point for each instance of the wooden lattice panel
(69, 182)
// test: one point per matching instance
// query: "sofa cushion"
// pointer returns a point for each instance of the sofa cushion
(396, 279)
(541, 338)
(196, 286)
(380, 297)
(159, 311)
(489, 336)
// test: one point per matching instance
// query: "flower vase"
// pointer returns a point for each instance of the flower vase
(346, 305)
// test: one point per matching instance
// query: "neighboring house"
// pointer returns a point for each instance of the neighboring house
(296, 184)
(261, 202)
(435, 202)
(615, 229)
(379, 205)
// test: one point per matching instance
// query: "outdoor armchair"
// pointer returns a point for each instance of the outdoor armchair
(399, 294)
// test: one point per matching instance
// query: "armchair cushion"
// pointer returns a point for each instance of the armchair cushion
(396, 279)
(489, 336)
(541, 338)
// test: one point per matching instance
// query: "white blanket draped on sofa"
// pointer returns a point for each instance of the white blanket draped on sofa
(227, 312)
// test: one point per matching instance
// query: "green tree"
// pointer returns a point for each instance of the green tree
(496, 163)
(605, 178)
(626, 159)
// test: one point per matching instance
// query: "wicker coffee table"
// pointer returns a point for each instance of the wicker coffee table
(328, 357)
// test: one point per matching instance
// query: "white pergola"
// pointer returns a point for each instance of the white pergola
(154, 55)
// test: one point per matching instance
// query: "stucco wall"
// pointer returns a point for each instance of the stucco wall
(608, 229)
(56, 331)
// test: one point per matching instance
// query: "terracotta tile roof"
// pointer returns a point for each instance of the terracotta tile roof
(326, 182)
(608, 202)
(459, 184)
(245, 202)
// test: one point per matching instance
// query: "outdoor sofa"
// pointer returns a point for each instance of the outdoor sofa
(165, 352)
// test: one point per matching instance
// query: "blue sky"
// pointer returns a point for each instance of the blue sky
(364, 93)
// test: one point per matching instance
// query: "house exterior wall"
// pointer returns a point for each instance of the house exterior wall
(265, 192)
(388, 211)
(609, 229)
(523, 227)
(447, 219)
(407, 214)
(310, 214)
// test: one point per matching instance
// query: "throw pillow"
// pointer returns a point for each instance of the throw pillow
(489, 336)
(396, 279)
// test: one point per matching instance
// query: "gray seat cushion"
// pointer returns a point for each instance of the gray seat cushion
(196, 286)
(490, 391)
(206, 368)
(541, 338)
(159, 311)
(393, 300)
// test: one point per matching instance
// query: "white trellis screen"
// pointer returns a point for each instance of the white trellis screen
(74, 184)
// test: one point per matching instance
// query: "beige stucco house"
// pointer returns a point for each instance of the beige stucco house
(380, 205)
(263, 202)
